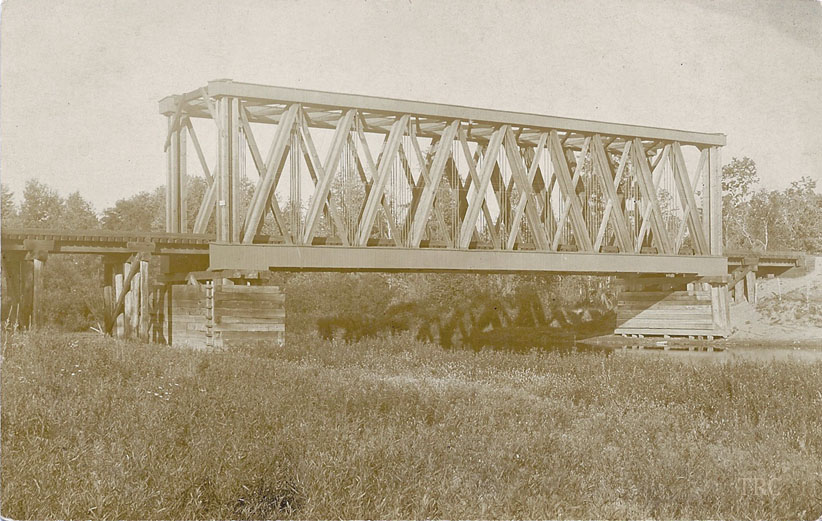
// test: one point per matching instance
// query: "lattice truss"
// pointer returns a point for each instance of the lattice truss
(301, 173)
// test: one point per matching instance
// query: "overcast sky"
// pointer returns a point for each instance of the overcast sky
(81, 78)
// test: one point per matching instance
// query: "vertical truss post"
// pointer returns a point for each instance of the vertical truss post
(174, 179)
(169, 181)
(182, 180)
(228, 171)
(225, 171)
(234, 173)
(714, 209)
(720, 296)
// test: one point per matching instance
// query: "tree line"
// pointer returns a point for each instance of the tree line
(769, 220)
(42, 207)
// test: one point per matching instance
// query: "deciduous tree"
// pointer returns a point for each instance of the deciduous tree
(143, 212)
(8, 212)
(42, 206)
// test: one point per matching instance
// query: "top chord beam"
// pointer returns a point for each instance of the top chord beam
(282, 95)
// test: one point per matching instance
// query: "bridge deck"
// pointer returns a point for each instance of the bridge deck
(339, 258)
(103, 242)
(767, 262)
(393, 259)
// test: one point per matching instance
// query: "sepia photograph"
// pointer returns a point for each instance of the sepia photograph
(411, 259)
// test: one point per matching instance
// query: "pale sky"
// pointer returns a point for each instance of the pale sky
(80, 79)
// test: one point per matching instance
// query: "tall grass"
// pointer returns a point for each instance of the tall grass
(98, 428)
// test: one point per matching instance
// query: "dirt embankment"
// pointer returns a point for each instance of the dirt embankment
(787, 309)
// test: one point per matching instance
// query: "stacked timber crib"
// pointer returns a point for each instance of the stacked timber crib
(219, 314)
(673, 306)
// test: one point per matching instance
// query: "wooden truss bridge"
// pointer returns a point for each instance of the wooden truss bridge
(308, 180)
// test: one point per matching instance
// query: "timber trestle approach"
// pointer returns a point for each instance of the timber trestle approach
(186, 304)
(126, 258)
(307, 180)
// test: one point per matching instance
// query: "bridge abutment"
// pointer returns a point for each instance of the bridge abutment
(673, 306)
(206, 309)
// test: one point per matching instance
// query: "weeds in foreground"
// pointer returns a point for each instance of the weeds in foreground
(105, 429)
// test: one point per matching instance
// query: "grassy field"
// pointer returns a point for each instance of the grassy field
(95, 428)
